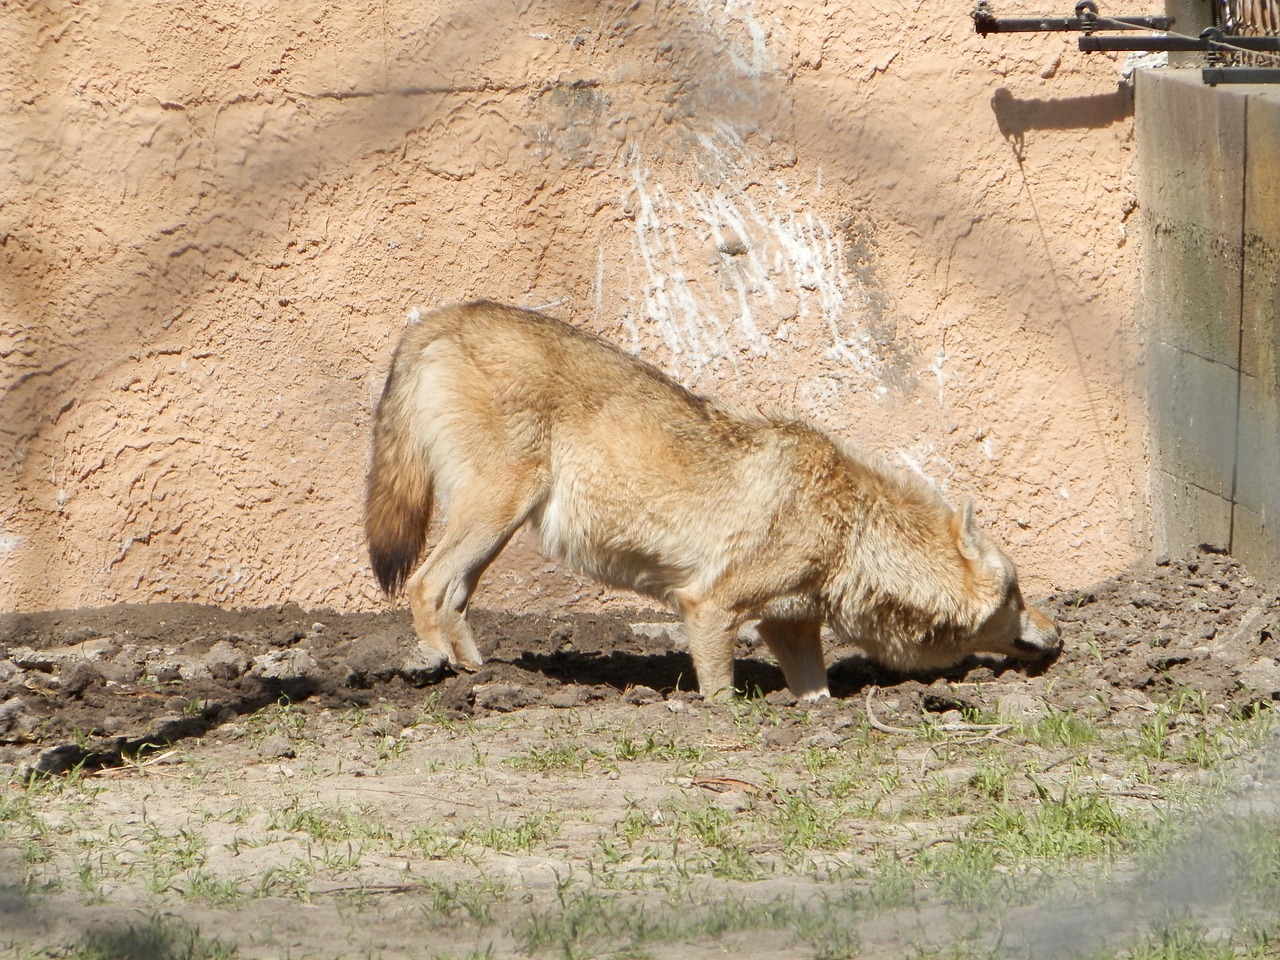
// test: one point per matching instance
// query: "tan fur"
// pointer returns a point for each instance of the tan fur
(509, 416)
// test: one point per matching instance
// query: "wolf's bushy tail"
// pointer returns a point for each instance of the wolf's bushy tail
(397, 505)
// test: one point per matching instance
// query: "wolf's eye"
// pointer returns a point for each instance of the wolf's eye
(1011, 595)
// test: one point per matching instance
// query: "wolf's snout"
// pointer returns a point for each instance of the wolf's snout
(1040, 635)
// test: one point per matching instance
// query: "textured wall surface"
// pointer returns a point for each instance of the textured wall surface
(1210, 162)
(214, 219)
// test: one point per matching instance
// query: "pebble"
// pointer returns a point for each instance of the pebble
(289, 664)
(1021, 708)
(641, 695)
(822, 740)
(503, 697)
(277, 747)
(735, 801)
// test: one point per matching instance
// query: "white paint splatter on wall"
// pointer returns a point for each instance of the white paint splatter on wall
(739, 263)
(774, 256)
(691, 332)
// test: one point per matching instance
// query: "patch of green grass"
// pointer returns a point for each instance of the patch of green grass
(560, 754)
(208, 887)
(804, 825)
(1005, 842)
(1190, 941)
(990, 781)
(476, 953)
(628, 749)
(432, 843)
(554, 757)
(1059, 728)
(719, 847)
(520, 836)
(447, 902)
(330, 823)
(292, 880)
(634, 826)
(284, 718)
(586, 921)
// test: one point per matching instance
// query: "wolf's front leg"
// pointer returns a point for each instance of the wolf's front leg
(797, 646)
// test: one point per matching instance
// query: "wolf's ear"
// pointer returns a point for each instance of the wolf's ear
(965, 530)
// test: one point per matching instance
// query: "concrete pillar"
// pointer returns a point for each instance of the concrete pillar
(1189, 17)
(1209, 188)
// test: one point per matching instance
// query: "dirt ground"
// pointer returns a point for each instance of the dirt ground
(90, 686)
(359, 716)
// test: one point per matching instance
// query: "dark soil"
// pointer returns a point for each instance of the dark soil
(95, 686)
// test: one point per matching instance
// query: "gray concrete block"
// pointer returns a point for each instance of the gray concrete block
(1260, 313)
(1209, 186)
(1193, 416)
(1187, 516)
(1258, 456)
(1254, 542)
(1191, 189)
(1191, 139)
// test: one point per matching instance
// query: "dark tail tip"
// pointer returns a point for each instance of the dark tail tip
(395, 543)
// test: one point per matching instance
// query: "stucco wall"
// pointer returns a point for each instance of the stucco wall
(214, 219)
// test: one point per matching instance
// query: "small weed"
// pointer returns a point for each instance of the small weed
(432, 844)
(521, 836)
(554, 757)
(1153, 735)
(207, 886)
(634, 826)
(473, 902)
(991, 780)
(804, 825)
(652, 747)
(330, 823)
(1059, 728)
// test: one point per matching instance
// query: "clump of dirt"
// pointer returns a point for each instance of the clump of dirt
(92, 687)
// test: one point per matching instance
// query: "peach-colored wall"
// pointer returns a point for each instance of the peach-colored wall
(214, 219)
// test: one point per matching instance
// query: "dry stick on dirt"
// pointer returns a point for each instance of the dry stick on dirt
(137, 766)
(991, 729)
(414, 794)
(369, 888)
(727, 784)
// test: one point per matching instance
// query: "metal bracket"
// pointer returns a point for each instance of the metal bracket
(1210, 41)
(1087, 23)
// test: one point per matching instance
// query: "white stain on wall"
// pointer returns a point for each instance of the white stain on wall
(725, 272)
(745, 38)
(745, 259)
(691, 331)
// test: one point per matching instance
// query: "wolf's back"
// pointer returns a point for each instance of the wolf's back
(398, 492)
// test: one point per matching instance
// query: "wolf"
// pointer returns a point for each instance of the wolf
(508, 416)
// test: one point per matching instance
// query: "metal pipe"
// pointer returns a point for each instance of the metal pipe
(1180, 44)
(1216, 75)
(1065, 24)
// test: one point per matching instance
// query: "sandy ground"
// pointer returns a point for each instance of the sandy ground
(238, 725)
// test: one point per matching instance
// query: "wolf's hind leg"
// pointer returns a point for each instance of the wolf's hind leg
(797, 646)
(711, 633)
(439, 592)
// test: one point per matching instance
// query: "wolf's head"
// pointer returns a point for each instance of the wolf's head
(999, 619)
